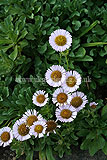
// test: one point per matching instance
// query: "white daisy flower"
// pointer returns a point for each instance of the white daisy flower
(6, 136)
(93, 105)
(66, 113)
(60, 40)
(31, 116)
(21, 130)
(51, 127)
(55, 76)
(60, 97)
(78, 100)
(40, 98)
(38, 129)
(72, 82)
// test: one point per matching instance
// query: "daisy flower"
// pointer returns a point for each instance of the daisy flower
(78, 100)
(60, 97)
(93, 105)
(60, 40)
(51, 127)
(72, 82)
(55, 76)
(40, 98)
(66, 113)
(31, 116)
(21, 130)
(38, 129)
(6, 136)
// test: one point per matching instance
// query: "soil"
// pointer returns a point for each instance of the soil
(77, 154)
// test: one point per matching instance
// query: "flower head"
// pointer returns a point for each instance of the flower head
(31, 116)
(40, 98)
(60, 97)
(93, 105)
(60, 40)
(66, 113)
(21, 130)
(72, 82)
(38, 128)
(6, 136)
(51, 126)
(55, 76)
(78, 100)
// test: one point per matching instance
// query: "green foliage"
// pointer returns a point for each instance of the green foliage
(25, 54)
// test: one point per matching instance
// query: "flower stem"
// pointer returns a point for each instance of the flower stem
(59, 135)
(60, 58)
(67, 62)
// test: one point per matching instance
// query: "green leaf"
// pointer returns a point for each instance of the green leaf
(86, 58)
(89, 28)
(49, 154)
(23, 34)
(14, 54)
(5, 92)
(98, 30)
(77, 24)
(5, 41)
(80, 53)
(104, 110)
(93, 44)
(23, 43)
(105, 149)
(42, 49)
(96, 145)
(6, 64)
(42, 155)
(29, 155)
(37, 9)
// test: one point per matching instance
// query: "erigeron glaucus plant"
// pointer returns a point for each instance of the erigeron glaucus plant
(40, 98)
(60, 40)
(6, 136)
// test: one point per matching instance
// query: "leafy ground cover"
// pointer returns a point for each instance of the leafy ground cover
(25, 54)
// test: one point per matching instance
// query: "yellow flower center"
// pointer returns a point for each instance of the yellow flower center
(51, 125)
(38, 128)
(93, 106)
(31, 119)
(5, 136)
(71, 81)
(60, 40)
(66, 113)
(76, 102)
(62, 97)
(56, 76)
(23, 130)
(40, 98)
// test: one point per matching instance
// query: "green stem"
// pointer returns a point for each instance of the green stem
(93, 44)
(89, 28)
(60, 58)
(67, 62)
(60, 135)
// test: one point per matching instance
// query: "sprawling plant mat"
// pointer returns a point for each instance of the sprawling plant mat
(26, 55)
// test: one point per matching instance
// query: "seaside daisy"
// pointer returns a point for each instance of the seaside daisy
(93, 105)
(55, 75)
(60, 97)
(21, 130)
(51, 127)
(38, 129)
(6, 136)
(66, 113)
(72, 82)
(60, 40)
(31, 116)
(78, 100)
(40, 98)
